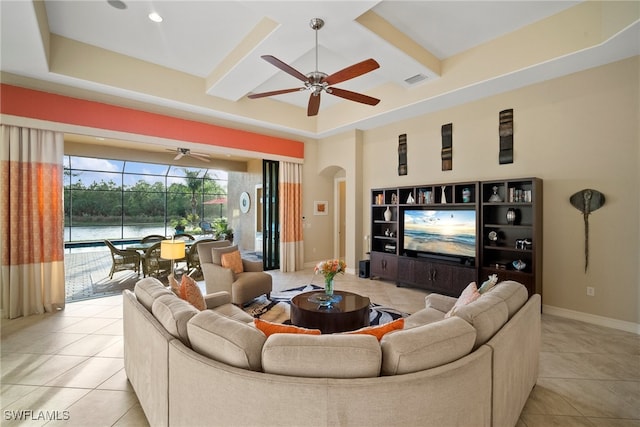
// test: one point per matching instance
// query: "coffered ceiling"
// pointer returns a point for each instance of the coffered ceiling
(204, 57)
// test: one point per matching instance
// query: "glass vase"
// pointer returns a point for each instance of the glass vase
(328, 286)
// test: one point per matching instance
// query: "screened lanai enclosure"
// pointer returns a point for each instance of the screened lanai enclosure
(122, 200)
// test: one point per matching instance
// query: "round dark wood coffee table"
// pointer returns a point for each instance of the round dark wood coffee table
(348, 314)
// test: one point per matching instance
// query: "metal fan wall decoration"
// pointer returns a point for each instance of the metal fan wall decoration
(318, 82)
(185, 152)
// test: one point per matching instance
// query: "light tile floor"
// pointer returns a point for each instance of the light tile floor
(71, 364)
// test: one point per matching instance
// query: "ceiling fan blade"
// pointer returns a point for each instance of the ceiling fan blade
(275, 92)
(352, 71)
(314, 104)
(353, 96)
(284, 67)
(179, 156)
(203, 157)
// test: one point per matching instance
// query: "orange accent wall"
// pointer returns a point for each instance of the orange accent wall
(39, 105)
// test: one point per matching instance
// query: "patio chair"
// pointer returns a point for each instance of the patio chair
(183, 236)
(123, 259)
(206, 228)
(193, 259)
(152, 264)
(152, 238)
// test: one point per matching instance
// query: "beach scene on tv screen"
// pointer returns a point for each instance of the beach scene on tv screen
(446, 232)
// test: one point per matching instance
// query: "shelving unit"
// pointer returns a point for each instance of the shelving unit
(387, 261)
(517, 240)
(384, 233)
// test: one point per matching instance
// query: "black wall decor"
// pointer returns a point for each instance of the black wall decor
(447, 147)
(402, 154)
(505, 130)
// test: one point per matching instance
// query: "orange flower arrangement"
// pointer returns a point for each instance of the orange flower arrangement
(330, 268)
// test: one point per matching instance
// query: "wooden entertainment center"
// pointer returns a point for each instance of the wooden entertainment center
(508, 229)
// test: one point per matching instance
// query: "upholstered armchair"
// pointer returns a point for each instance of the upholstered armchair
(224, 270)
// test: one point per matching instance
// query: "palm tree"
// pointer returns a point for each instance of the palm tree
(194, 183)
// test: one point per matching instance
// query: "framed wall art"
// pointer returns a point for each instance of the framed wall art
(320, 207)
(447, 147)
(402, 154)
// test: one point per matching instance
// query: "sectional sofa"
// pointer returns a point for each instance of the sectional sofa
(214, 367)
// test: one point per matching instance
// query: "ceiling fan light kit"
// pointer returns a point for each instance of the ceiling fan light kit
(182, 152)
(318, 82)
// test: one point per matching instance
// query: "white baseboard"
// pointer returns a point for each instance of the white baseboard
(592, 318)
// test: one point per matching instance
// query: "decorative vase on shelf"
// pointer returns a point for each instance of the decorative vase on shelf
(387, 214)
(466, 195)
(519, 265)
(511, 216)
(328, 286)
(494, 197)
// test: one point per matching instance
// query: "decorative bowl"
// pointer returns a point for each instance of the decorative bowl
(519, 265)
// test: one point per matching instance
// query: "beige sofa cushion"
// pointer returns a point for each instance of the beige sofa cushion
(439, 302)
(487, 314)
(514, 294)
(226, 340)
(205, 249)
(148, 289)
(423, 317)
(427, 346)
(173, 313)
(234, 312)
(322, 356)
(216, 253)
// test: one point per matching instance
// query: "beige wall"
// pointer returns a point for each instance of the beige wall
(317, 185)
(575, 132)
(339, 157)
(244, 224)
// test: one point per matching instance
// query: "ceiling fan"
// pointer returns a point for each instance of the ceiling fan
(182, 152)
(317, 81)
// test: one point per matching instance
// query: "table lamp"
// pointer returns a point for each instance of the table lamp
(173, 250)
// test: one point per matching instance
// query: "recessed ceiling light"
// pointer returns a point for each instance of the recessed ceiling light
(155, 17)
(117, 4)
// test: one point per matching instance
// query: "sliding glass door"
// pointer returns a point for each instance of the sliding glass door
(270, 215)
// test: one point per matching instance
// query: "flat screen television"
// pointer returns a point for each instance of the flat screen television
(444, 232)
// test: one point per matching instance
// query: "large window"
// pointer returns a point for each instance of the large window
(115, 199)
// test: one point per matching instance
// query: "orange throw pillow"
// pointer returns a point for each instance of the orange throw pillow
(270, 328)
(233, 261)
(190, 292)
(380, 330)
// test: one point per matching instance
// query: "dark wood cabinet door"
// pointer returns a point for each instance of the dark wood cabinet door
(446, 279)
(461, 278)
(440, 278)
(406, 271)
(384, 266)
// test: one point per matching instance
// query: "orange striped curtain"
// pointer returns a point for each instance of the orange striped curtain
(290, 194)
(31, 222)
